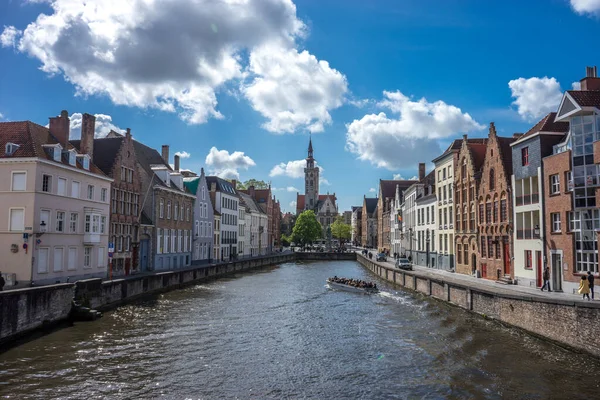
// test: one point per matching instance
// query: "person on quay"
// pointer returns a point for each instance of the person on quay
(584, 287)
(546, 277)
(2, 282)
(590, 279)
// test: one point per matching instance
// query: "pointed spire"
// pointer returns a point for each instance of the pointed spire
(310, 148)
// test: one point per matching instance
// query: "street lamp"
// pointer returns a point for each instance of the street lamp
(536, 231)
(42, 229)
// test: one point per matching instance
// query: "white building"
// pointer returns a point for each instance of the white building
(444, 210)
(226, 204)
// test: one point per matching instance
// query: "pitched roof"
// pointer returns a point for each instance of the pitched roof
(105, 151)
(222, 185)
(148, 157)
(31, 137)
(586, 98)
(388, 187)
(249, 202)
(504, 143)
(192, 184)
(371, 203)
(547, 124)
(477, 150)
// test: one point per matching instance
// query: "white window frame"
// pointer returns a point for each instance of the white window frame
(102, 224)
(87, 257)
(159, 247)
(60, 267)
(90, 192)
(49, 185)
(12, 181)
(71, 221)
(46, 267)
(555, 184)
(62, 220)
(556, 222)
(58, 181)
(78, 194)
(10, 219)
(161, 208)
(101, 257)
(49, 219)
(71, 267)
(103, 195)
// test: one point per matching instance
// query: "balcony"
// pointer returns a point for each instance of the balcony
(527, 234)
(526, 199)
(91, 238)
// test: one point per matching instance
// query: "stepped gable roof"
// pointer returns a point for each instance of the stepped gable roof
(222, 185)
(586, 98)
(192, 184)
(371, 203)
(388, 187)
(105, 151)
(457, 144)
(547, 124)
(31, 137)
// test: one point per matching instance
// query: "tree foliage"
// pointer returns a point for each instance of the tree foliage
(306, 229)
(285, 240)
(341, 230)
(252, 182)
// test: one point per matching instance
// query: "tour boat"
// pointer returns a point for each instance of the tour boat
(349, 288)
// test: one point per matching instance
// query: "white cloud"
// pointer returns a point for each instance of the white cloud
(293, 89)
(183, 154)
(292, 189)
(226, 165)
(323, 181)
(292, 169)
(411, 137)
(9, 36)
(176, 56)
(535, 97)
(293, 205)
(103, 126)
(372, 190)
(399, 177)
(1, 116)
(586, 6)
(576, 85)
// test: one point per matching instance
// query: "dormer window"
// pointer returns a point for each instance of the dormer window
(72, 157)
(10, 149)
(57, 153)
(86, 163)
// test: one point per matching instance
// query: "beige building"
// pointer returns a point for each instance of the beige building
(54, 227)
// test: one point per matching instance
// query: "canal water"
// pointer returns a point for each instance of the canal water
(280, 333)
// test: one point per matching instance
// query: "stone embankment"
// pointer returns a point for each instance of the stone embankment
(568, 322)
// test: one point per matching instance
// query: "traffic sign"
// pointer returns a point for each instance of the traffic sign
(111, 247)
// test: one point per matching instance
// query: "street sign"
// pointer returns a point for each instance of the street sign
(111, 247)
(110, 254)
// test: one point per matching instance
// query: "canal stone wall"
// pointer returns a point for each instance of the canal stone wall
(570, 323)
(318, 256)
(25, 310)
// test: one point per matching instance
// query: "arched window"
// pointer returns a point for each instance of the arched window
(492, 179)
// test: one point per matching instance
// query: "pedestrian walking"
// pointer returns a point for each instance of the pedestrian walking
(2, 282)
(584, 287)
(590, 279)
(546, 277)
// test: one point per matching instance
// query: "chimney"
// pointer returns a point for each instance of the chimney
(128, 134)
(165, 153)
(213, 187)
(251, 191)
(465, 136)
(591, 80)
(421, 171)
(492, 129)
(59, 128)
(88, 126)
(176, 162)
(234, 184)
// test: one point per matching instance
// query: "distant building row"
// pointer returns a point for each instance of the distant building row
(502, 208)
(102, 207)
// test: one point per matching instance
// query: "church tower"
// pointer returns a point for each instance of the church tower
(311, 180)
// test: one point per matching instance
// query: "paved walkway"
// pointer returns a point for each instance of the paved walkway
(493, 285)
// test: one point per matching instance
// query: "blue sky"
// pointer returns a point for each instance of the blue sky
(381, 85)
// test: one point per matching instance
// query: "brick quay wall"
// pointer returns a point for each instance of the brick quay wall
(569, 323)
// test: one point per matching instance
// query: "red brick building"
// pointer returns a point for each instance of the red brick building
(494, 209)
(466, 185)
(387, 194)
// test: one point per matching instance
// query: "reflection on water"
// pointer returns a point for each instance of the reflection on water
(280, 333)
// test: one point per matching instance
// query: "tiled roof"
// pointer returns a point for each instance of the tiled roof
(249, 202)
(148, 157)
(504, 143)
(222, 185)
(31, 137)
(547, 124)
(105, 152)
(300, 202)
(388, 187)
(477, 152)
(586, 98)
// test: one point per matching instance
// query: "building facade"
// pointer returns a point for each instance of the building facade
(226, 204)
(528, 181)
(466, 187)
(202, 236)
(168, 206)
(115, 156)
(445, 166)
(56, 206)
(369, 222)
(387, 194)
(356, 225)
(576, 161)
(495, 211)
(425, 228)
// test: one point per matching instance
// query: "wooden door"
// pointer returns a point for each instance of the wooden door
(539, 274)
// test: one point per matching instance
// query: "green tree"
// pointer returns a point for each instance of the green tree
(306, 229)
(285, 240)
(252, 182)
(340, 230)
